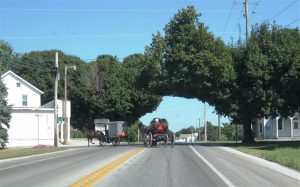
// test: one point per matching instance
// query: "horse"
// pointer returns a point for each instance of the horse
(95, 134)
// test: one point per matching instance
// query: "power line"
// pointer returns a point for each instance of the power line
(233, 3)
(237, 23)
(105, 11)
(284, 9)
(89, 10)
(28, 66)
(297, 19)
(77, 36)
(254, 11)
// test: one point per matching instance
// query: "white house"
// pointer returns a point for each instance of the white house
(30, 124)
(274, 128)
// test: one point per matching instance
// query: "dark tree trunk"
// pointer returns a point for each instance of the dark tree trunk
(248, 134)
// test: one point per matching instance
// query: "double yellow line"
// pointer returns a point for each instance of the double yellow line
(102, 172)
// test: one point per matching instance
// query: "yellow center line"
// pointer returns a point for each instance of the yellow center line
(96, 176)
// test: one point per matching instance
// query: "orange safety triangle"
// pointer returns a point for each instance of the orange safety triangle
(160, 128)
(123, 133)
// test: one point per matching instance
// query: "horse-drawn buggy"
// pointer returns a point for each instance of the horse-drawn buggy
(155, 132)
(108, 132)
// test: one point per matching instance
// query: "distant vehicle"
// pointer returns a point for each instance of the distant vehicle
(115, 131)
(112, 131)
(155, 132)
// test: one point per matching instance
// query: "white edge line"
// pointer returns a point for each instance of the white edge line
(219, 174)
(289, 172)
(32, 156)
(27, 163)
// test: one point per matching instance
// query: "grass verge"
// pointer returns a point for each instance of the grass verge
(285, 153)
(19, 152)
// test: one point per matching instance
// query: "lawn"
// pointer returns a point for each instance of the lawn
(286, 153)
(19, 152)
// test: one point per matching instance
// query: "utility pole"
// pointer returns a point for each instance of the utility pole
(55, 99)
(66, 121)
(219, 125)
(138, 139)
(199, 131)
(204, 124)
(65, 109)
(247, 20)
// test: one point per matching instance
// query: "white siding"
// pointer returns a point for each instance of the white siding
(31, 127)
(286, 128)
(15, 93)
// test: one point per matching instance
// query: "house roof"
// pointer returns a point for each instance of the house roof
(21, 80)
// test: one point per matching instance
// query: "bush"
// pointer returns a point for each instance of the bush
(78, 134)
(3, 134)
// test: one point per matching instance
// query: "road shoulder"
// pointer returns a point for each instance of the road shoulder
(268, 164)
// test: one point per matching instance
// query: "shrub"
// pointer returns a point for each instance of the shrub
(78, 134)
(3, 134)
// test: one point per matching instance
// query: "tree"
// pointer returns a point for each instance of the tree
(229, 130)
(5, 110)
(193, 64)
(6, 55)
(133, 132)
(189, 130)
(37, 68)
(142, 99)
(267, 69)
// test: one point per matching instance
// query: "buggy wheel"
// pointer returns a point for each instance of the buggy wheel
(150, 140)
(166, 140)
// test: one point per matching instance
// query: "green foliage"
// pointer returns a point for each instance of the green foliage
(268, 70)
(3, 134)
(78, 134)
(229, 131)
(286, 153)
(142, 100)
(198, 65)
(212, 132)
(6, 55)
(133, 133)
(189, 130)
(5, 110)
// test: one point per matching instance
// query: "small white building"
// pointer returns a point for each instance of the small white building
(30, 124)
(188, 138)
(274, 128)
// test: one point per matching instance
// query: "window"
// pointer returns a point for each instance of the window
(296, 125)
(24, 100)
(18, 84)
(280, 124)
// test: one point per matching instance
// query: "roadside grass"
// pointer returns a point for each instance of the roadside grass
(286, 153)
(19, 152)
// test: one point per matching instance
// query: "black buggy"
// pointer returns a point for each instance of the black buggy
(155, 132)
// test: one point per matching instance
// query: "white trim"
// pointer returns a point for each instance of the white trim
(292, 127)
(276, 127)
(22, 80)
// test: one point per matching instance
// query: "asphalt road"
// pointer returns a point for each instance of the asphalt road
(183, 165)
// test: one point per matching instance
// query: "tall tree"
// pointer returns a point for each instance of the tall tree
(6, 55)
(267, 70)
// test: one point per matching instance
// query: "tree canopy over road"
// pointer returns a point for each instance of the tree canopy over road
(246, 81)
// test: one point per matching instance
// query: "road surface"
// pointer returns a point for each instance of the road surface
(183, 165)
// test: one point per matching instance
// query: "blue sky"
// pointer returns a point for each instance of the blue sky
(88, 28)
